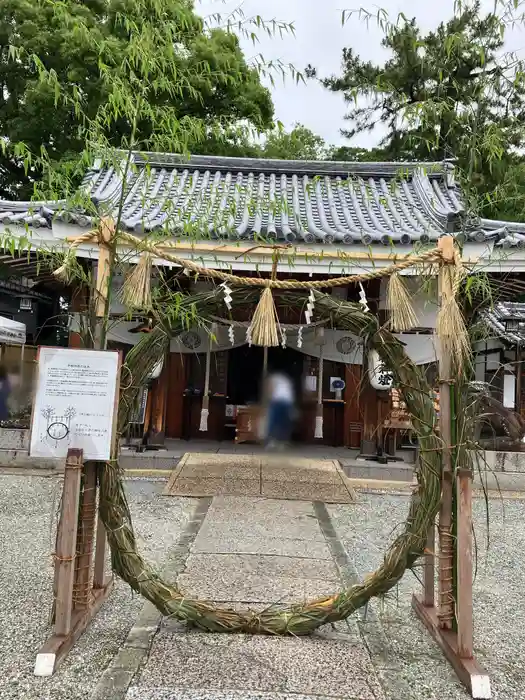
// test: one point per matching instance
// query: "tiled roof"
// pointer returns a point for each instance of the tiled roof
(504, 311)
(301, 201)
(505, 234)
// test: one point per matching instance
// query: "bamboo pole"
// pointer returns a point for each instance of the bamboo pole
(102, 281)
(446, 545)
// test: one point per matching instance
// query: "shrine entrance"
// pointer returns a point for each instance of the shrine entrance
(246, 371)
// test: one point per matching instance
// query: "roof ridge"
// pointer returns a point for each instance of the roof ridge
(296, 167)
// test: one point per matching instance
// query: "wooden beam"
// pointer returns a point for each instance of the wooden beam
(470, 673)
(66, 542)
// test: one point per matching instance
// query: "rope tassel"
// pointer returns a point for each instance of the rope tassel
(398, 301)
(263, 329)
(66, 272)
(136, 290)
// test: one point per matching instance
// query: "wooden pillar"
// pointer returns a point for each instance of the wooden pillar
(352, 412)
(368, 401)
(177, 378)
(446, 601)
(66, 543)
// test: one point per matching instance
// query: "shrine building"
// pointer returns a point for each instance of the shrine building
(328, 219)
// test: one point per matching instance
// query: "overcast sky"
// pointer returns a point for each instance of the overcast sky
(319, 40)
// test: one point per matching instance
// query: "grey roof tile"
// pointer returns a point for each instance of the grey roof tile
(504, 311)
(326, 202)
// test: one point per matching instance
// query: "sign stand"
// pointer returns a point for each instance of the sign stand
(80, 587)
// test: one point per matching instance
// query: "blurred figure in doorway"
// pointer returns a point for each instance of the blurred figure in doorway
(280, 409)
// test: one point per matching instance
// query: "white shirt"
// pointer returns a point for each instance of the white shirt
(281, 388)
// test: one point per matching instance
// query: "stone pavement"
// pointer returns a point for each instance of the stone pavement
(280, 475)
(251, 553)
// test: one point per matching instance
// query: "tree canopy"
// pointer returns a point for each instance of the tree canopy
(82, 43)
(448, 93)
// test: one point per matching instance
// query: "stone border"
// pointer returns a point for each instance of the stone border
(118, 676)
(370, 626)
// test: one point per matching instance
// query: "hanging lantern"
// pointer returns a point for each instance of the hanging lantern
(155, 372)
(380, 377)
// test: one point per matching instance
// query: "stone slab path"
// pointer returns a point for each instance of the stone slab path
(286, 476)
(250, 553)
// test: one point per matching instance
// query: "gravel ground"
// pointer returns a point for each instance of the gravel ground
(27, 505)
(499, 604)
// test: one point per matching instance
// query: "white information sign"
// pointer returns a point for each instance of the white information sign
(74, 404)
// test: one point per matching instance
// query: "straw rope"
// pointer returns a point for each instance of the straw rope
(428, 257)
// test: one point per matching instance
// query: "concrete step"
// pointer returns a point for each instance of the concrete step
(393, 471)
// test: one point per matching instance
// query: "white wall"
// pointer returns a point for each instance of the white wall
(423, 293)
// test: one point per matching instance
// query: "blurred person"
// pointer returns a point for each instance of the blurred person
(280, 409)
(5, 390)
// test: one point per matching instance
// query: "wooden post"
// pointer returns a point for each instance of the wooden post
(446, 562)
(429, 568)
(464, 564)
(456, 645)
(85, 536)
(107, 230)
(66, 542)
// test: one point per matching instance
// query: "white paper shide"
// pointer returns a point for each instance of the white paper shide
(75, 403)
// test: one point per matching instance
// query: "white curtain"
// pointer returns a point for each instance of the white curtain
(12, 332)
(338, 346)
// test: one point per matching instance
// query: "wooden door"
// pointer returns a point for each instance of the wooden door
(177, 374)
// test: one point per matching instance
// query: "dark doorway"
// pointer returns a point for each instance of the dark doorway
(245, 370)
